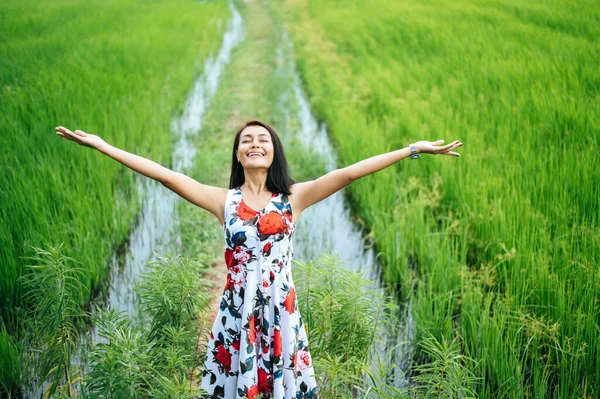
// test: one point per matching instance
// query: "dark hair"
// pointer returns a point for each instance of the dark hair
(278, 177)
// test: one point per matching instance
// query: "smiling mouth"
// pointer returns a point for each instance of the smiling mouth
(255, 154)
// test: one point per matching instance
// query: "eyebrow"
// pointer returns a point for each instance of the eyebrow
(250, 134)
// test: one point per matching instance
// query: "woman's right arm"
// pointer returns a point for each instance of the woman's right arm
(207, 197)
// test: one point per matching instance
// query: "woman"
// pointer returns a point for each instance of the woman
(258, 345)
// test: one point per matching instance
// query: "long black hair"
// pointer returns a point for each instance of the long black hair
(278, 177)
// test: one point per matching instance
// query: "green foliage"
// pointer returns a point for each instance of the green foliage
(344, 318)
(346, 322)
(10, 370)
(448, 373)
(161, 360)
(341, 312)
(117, 68)
(54, 286)
(503, 243)
(121, 366)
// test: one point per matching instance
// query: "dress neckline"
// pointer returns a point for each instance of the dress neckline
(255, 210)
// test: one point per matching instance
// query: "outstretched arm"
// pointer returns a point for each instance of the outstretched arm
(309, 193)
(207, 197)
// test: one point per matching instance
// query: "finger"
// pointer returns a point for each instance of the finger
(450, 146)
(452, 153)
(80, 133)
(438, 142)
(67, 131)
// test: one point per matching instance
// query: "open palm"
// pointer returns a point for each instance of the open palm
(80, 137)
(435, 147)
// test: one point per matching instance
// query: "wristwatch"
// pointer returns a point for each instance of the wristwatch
(413, 151)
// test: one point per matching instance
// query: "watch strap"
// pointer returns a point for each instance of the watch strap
(413, 151)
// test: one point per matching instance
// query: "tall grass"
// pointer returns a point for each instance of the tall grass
(502, 244)
(54, 286)
(161, 360)
(345, 319)
(117, 68)
(164, 357)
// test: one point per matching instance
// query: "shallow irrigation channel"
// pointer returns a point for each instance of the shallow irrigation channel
(157, 227)
(328, 226)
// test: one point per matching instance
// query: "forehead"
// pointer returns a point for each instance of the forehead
(251, 131)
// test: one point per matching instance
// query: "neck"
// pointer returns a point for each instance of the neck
(255, 181)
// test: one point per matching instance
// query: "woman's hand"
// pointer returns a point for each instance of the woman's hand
(434, 147)
(81, 138)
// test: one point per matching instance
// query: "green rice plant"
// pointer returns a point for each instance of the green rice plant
(55, 285)
(10, 369)
(502, 245)
(118, 68)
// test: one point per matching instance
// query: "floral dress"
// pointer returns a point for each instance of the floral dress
(258, 347)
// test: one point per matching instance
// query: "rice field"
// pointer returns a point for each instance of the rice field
(119, 69)
(496, 251)
(500, 246)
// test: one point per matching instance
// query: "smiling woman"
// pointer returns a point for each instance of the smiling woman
(258, 344)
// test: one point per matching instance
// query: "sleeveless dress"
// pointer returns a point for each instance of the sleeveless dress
(258, 347)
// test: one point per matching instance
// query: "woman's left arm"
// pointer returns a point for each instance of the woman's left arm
(309, 193)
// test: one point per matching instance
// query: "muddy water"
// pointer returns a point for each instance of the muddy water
(157, 227)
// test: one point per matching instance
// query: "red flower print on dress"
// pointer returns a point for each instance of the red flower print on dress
(229, 283)
(263, 381)
(236, 344)
(241, 255)
(271, 223)
(267, 249)
(288, 303)
(303, 360)
(252, 330)
(276, 343)
(244, 212)
(228, 257)
(224, 357)
(252, 392)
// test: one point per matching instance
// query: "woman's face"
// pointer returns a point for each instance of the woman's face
(255, 149)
